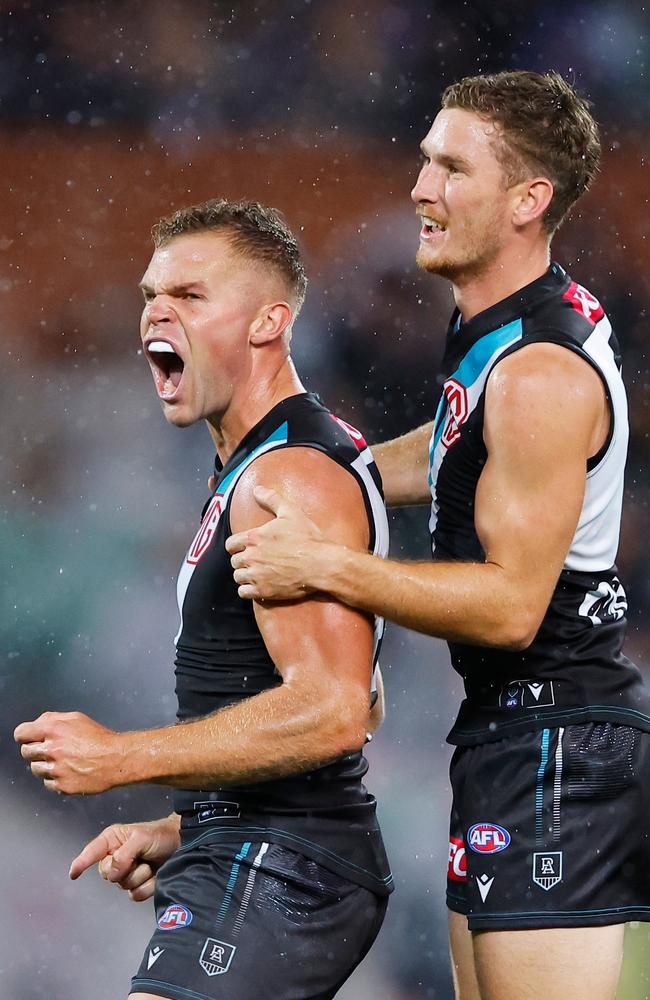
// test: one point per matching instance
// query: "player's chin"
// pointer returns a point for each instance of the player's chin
(428, 259)
(435, 263)
(178, 416)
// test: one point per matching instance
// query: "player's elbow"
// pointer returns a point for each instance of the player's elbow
(346, 721)
(351, 733)
(518, 642)
(517, 632)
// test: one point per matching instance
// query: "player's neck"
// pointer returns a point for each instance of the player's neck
(504, 276)
(250, 402)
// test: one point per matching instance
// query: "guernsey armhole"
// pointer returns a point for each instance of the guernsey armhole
(596, 459)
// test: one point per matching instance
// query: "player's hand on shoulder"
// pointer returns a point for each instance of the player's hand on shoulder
(272, 560)
(130, 854)
(290, 509)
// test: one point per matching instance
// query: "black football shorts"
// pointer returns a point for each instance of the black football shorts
(552, 829)
(254, 921)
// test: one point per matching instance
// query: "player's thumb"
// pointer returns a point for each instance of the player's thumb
(122, 861)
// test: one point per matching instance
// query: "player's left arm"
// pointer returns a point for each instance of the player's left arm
(321, 648)
(546, 413)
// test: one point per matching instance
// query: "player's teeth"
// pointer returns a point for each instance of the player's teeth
(162, 346)
(168, 387)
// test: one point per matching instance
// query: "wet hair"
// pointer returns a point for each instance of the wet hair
(256, 232)
(544, 127)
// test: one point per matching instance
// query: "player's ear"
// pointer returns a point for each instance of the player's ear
(531, 199)
(270, 323)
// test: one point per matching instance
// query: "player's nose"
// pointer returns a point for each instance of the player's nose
(426, 187)
(159, 310)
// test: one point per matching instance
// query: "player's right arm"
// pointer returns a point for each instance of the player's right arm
(130, 854)
(322, 649)
(403, 464)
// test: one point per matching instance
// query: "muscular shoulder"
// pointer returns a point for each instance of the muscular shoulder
(545, 367)
(324, 490)
(548, 386)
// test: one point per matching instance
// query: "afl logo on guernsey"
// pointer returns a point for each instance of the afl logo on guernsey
(487, 838)
(175, 917)
(457, 410)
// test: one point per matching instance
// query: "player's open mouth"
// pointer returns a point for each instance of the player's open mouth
(167, 367)
(431, 229)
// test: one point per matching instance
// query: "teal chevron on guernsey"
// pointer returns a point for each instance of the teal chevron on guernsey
(473, 369)
(279, 436)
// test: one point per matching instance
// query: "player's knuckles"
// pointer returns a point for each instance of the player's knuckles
(52, 749)
(52, 721)
(138, 839)
(42, 769)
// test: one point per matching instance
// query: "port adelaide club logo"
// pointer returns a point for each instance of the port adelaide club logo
(487, 838)
(216, 956)
(547, 869)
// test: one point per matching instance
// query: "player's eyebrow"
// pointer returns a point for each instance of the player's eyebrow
(445, 160)
(173, 290)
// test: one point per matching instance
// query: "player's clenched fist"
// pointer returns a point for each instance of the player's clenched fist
(71, 752)
(130, 854)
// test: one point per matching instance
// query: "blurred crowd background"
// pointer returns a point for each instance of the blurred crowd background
(112, 114)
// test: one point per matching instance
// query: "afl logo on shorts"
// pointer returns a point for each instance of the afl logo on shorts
(174, 917)
(487, 838)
